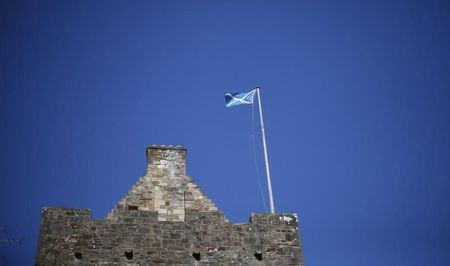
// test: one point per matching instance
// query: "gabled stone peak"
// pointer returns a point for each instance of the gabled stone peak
(165, 188)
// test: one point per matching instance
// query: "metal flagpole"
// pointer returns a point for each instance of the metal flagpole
(266, 158)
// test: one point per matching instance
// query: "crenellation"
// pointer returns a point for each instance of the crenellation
(165, 219)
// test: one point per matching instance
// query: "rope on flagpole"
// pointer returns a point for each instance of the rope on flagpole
(252, 137)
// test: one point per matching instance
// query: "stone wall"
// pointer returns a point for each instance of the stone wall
(165, 219)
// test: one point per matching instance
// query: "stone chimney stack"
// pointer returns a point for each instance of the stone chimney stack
(166, 168)
(166, 161)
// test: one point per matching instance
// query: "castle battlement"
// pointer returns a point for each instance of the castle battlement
(165, 219)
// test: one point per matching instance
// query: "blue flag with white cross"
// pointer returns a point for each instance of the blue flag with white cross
(238, 98)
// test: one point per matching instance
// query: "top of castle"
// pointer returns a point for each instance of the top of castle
(165, 219)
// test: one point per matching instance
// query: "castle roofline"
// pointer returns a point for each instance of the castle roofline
(166, 219)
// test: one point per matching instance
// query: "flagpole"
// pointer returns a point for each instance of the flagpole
(266, 157)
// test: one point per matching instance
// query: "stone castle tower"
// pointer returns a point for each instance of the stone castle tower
(165, 219)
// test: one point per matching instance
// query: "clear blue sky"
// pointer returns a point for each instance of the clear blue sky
(356, 97)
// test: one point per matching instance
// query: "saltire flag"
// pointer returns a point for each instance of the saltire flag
(238, 98)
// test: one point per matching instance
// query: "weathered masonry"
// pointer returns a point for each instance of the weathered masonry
(165, 219)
